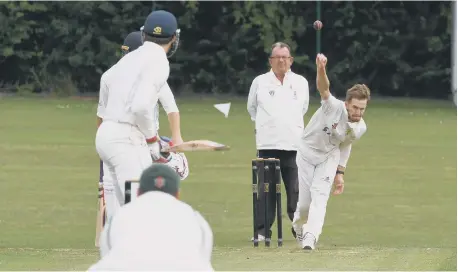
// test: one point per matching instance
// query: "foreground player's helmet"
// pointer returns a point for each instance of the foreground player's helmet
(175, 160)
(161, 178)
(162, 24)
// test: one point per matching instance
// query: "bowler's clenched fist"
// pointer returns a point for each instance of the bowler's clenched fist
(321, 60)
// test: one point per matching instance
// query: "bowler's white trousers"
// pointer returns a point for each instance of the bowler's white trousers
(125, 154)
(315, 184)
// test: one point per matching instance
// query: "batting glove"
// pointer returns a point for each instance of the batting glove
(155, 149)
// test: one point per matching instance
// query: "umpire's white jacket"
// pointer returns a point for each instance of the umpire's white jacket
(278, 110)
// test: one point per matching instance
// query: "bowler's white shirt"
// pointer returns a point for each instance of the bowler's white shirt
(278, 110)
(129, 90)
(156, 231)
(167, 100)
(330, 131)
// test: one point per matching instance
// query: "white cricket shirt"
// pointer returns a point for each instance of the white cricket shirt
(156, 232)
(278, 110)
(328, 130)
(129, 90)
(167, 100)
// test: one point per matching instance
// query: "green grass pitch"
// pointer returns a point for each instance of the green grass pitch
(398, 211)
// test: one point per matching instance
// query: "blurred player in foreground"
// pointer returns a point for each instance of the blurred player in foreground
(324, 153)
(113, 196)
(157, 231)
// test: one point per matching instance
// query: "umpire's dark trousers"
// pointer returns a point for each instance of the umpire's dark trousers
(288, 169)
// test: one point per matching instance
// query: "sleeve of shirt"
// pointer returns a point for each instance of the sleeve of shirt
(252, 103)
(331, 105)
(156, 116)
(307, 97)
(153, 77)
(167, 99)
(345, 150)
(362, 129)
(356, 129)
(103, 97)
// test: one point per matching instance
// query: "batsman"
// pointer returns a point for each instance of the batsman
(127, 139)
(178, 161)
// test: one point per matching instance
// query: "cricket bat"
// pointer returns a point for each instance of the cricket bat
(196, 145)
(100, 220)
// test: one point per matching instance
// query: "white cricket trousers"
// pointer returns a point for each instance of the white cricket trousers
(125, 154)
(109, 194)
(315, 184)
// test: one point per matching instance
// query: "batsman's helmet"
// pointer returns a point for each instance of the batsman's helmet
(131, 42)
(162, 24)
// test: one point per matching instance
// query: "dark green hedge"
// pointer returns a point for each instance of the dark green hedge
(397, 48)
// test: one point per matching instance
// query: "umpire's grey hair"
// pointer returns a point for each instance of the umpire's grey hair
(281, 45)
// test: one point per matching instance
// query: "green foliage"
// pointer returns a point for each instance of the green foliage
(397, 48)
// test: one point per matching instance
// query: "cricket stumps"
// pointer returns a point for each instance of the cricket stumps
(266, 175)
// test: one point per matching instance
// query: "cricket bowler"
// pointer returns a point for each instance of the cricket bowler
(113, 198)
(157, 232)
(324, 152)
(127, 140)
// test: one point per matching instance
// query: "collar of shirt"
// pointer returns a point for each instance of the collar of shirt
(155, 47)
(276, 81)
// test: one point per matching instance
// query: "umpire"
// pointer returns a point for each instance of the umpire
(277, 103)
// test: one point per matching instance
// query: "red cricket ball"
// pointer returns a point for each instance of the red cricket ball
(317, 25)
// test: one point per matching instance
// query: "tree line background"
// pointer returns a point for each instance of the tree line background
(396, 48)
